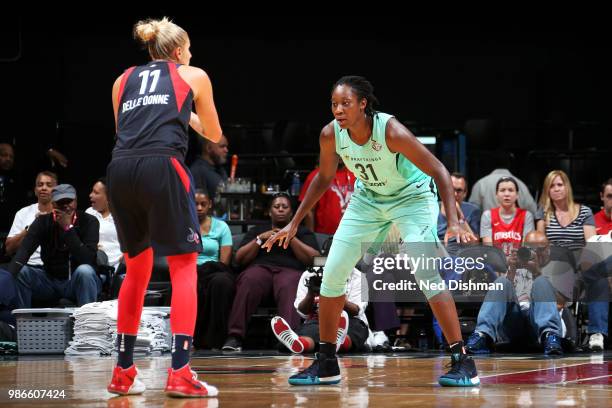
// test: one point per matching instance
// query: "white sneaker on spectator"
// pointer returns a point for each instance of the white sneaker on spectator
(370, 339)
(380, 338)
(381, 342)
(596, 342)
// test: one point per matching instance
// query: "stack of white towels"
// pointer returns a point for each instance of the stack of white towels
(95, 330)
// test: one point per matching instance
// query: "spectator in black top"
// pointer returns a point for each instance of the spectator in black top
(12, 195)
(20, 163)
(68, 240)
(7, 157)
(276, 272)
(208, 170)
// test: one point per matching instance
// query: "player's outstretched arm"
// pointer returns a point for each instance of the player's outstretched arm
(328, 164)
(401, 140)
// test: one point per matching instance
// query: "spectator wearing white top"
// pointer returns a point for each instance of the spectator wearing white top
(45, 182)
(108, 242)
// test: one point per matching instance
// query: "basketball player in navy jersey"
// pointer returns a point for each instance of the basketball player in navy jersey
(152, 196)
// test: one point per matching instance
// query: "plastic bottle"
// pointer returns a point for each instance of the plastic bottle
(2, 189)
(422, 342)
(233, 167)
(296, 184)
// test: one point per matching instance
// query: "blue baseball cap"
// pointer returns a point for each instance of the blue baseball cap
(63, 191)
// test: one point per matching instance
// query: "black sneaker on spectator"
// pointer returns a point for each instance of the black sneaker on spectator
(232, 344)
(385, 347)
(552, 344)
(478, 343)
(401, 344)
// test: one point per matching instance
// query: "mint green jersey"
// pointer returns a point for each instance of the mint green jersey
(389, 189)
(377, 169)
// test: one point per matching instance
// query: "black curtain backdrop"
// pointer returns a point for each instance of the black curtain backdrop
(536, 82)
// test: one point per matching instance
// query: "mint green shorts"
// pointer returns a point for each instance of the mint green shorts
(366, 222)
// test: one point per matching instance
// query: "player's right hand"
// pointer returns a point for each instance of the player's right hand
(266, 235)
(283, 237)
(461, 232)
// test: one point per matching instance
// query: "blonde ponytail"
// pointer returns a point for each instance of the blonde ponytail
(160, 37)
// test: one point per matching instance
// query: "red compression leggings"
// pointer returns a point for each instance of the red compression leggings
(184, 292)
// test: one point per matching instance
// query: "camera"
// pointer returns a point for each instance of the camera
(524, 255)
(314, 281)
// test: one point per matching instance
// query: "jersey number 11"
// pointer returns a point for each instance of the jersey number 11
(145, 80)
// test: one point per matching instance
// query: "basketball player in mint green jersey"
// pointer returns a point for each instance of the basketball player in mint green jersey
(397, 182)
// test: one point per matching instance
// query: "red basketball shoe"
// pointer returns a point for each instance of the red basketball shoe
(184, 383)
(124, 381)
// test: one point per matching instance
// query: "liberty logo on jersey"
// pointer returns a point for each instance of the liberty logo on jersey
(193, 236)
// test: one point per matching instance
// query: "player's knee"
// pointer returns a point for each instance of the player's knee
(430, 282)
(332, 289)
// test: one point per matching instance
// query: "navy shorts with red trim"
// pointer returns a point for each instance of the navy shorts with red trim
(153, 204)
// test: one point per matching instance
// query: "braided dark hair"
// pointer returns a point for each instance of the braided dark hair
(364, 90)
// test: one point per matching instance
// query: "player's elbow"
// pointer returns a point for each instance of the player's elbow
(213, 133)
(324, 179)
(440, 174)
(215, 137)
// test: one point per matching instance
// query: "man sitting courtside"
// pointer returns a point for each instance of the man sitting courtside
(525, 311)
(68, 240)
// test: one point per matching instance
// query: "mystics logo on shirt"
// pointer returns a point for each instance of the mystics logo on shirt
(193, 236)
(507, 235)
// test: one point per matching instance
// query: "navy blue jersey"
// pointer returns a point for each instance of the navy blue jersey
(154, 109)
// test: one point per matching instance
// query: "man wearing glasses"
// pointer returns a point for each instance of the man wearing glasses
(470, 211)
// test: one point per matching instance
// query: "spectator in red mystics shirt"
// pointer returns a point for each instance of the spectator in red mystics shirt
(326, 216)
(603, 223)
(507, 225)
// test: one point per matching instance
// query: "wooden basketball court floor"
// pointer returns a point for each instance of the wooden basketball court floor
(260, 379)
